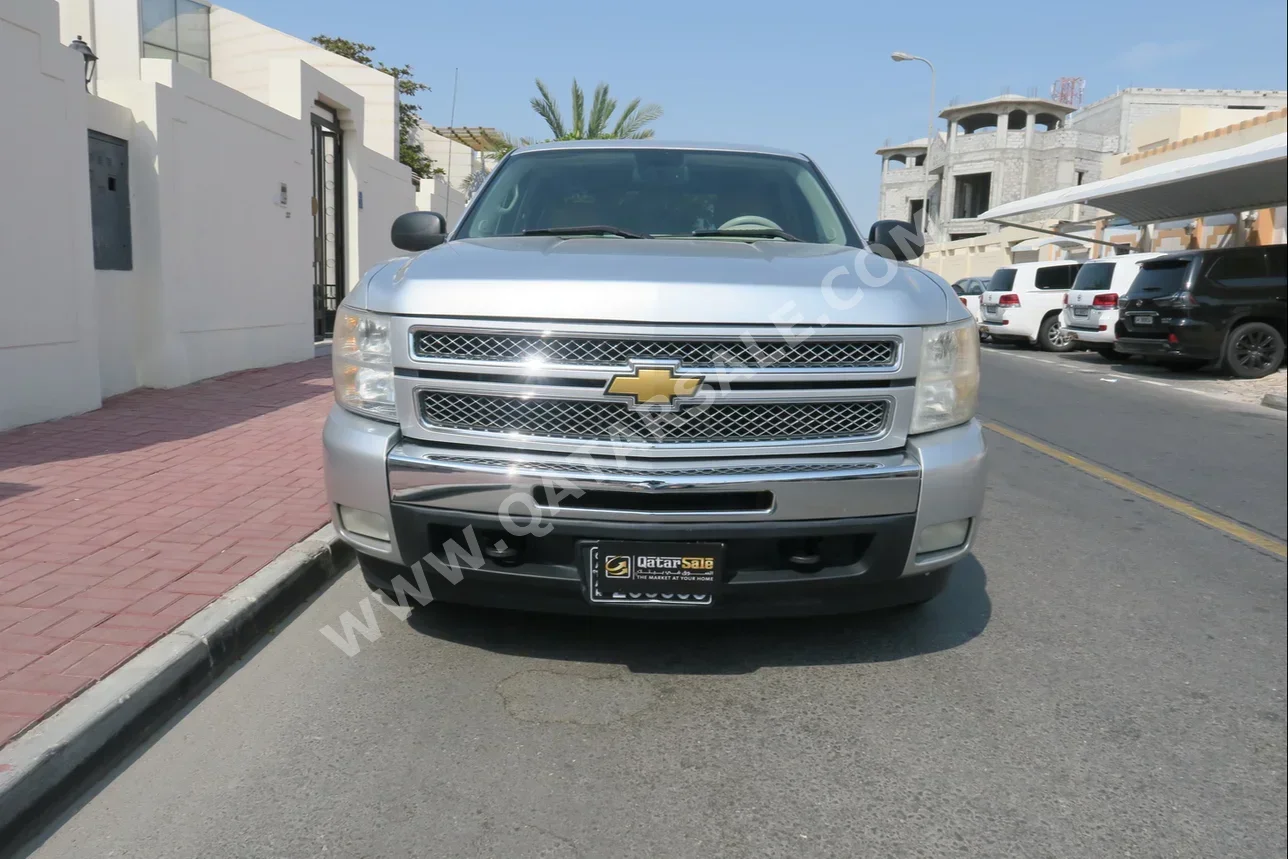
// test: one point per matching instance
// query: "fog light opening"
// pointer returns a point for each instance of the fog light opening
(364, 523)
(501, 549)
(939, 538)
(803, 555)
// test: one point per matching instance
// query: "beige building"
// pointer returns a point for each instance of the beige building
(459, 153)
(1154, 139)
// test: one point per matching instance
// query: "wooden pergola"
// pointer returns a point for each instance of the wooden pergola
(478, 138)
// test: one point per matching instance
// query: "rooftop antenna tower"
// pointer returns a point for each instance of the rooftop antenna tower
(1068, 91)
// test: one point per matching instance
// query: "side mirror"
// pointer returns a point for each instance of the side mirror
(896, 240)
(418, 231)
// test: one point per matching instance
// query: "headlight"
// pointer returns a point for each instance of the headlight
(362, 365)
(948, 381)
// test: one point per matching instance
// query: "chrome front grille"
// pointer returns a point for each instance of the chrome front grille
(543, 387)
(768, 352)
(612, 421)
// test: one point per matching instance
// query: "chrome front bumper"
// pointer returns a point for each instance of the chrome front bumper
(369, 466)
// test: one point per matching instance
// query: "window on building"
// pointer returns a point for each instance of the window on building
(914, 211)
(972, 195)
(177, 30)
(1078, 176)
(109, 202)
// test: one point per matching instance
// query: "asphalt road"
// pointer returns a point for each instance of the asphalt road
(1105, 679)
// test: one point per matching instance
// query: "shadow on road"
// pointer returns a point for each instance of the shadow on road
(953, 618)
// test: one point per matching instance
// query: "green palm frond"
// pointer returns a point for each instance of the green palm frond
(548, 109)
(632, 122)
(578, 111)
(601, 113)
(634, 119)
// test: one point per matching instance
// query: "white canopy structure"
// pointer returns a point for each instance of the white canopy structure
(1252, 176)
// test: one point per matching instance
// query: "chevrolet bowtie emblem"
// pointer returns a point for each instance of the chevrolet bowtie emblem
(653, 386)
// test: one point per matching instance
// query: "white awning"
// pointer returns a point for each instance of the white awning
(1072, 240)
(1252, 176)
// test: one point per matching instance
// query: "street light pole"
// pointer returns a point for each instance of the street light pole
(901, 57)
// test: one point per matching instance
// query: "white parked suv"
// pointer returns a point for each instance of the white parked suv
(1023, 303)
(1091, 306)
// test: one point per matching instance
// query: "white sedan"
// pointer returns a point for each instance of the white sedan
(969, 289)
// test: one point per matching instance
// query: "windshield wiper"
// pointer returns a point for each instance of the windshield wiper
(588, 230)
(753, 233)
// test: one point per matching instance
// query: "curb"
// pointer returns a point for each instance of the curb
(37, 770)
(1275, 401)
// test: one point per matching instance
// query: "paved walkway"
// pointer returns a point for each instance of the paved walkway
(119, 524)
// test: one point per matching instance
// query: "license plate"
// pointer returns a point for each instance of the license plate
(654, 573)
(1143, 319)
(991, 308)
(1081, 311)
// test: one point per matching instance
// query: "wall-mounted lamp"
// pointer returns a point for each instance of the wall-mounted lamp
(87, 53)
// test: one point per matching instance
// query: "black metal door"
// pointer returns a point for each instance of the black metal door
(328, 224)
(109, 202)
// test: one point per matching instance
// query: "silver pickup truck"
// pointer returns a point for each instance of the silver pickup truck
(655, 379)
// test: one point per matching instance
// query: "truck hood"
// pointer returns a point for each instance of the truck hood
(657, 280)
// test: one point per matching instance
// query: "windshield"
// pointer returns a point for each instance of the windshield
(1164, 277)
(658, 193)
(1095, 276)
(1003, 280)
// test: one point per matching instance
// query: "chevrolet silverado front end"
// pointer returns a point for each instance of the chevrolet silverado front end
(658, 418)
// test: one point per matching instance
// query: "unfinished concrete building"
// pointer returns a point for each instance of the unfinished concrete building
(1010, 147)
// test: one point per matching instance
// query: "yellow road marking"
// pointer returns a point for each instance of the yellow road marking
(1226, 526)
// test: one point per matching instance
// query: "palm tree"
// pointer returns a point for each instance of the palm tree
(631, 123)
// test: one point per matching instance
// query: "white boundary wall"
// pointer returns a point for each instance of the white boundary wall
(222, 276)
(48, 350)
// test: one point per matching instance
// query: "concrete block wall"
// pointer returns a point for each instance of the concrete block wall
(899, 187)
(1023, 165)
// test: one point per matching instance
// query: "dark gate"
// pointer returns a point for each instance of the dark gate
(328, 220)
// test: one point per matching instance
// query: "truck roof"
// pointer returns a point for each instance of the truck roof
(661, 144)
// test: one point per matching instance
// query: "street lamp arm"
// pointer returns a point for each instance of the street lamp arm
(901, 57)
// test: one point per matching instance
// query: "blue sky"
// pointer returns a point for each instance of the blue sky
(815, 77)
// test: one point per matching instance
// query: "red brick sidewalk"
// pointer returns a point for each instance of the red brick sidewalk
(119, 524)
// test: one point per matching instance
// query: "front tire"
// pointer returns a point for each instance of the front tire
(1254, 350)
(1051, 338)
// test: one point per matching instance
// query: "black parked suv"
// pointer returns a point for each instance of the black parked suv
(1191, 308)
